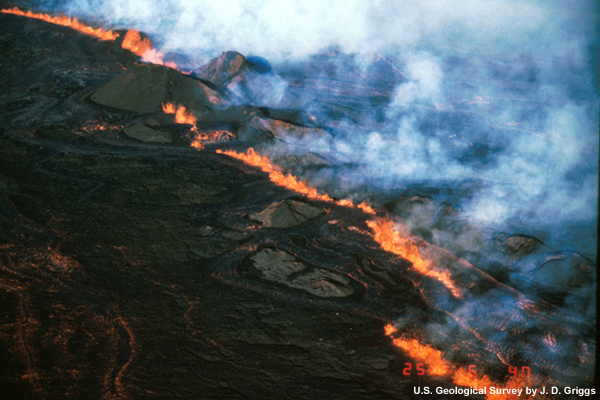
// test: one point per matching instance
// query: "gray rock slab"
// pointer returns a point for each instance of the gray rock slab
(282, 267)
(143, 131)
(144, 87)
(286, 214)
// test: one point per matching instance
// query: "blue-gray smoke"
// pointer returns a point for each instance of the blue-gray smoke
(501, 94)
(504, 91)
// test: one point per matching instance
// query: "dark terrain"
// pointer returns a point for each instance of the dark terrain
(128, 269)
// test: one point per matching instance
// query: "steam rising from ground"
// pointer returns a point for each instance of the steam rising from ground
(501, 93)
(278, 30)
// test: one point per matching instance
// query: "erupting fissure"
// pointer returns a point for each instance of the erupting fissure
(183, 116)
(251, 157)
(73, 23)
(143, 47)
(383, 228)
(438, 366)
(132, 40)
(391, 240)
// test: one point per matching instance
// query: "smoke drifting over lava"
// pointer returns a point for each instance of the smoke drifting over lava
(502, 96)
(503, 92)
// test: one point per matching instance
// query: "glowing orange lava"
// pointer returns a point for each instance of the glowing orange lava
(389, 329)
(438, 366)
(390, 240)
(134, 43)
(132, 40)
(154, 56)
(73, 23)
(168, 108)
(182, 115)
(366, 208)
(363, 206)
(252, 158)
(462, 377)
(197, 144)
(288, 181)
(345, 202)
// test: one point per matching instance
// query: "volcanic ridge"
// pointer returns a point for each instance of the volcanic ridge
(156, 244)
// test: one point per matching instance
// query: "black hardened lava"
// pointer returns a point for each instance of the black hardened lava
(125, 266)
(127, 269)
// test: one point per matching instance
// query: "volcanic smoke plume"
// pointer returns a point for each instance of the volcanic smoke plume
(466, 135)
(502, 94)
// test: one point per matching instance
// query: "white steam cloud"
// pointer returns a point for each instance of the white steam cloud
(504, 91)
(425, 77)
(499, 92)
(278, 30)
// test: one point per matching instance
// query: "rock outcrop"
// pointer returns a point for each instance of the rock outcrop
(229, 67)
(145, 132)
(243, 82)
(286, 214)
(281, 267)
(144, 87)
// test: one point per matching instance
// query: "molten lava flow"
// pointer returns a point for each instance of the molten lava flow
(390, 330)
(390, 240)
(134, 43)
(168, 108)
(154, 56)
(197, 144)
(366, 208)
(100, 33)
(132, 40)
(252, 158)
(438, 366)
(182, 115)
(143, 47)
(211, 137)
(363, 206)
(288, 181)
(462, 377)
(345, 202)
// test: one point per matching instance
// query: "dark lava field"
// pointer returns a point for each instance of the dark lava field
(135, 266)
